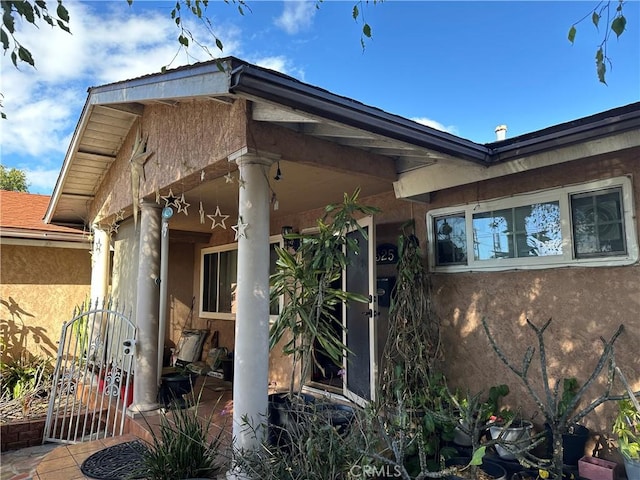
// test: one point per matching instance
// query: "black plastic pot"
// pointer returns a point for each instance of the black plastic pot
(490, 468)
(573, 443)
(173, 386)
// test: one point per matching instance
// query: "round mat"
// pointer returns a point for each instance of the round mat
(119, 462)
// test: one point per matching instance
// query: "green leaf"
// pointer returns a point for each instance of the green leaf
(219, 44)
(618, 25)
(572, 33)
(240, 10)
(14, 58)
(8, 21)
(48, 19)
(3, 116)
(477, 456)
(601, 68)
(130, 2)
(62, 12)
(42, 4)
(595, 18)
(366, 30)
(63, 26)
(25, 10)
(4, 38)
(356, 12)
(183, 40)
(25, 55)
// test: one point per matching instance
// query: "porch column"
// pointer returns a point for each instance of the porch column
(251, 362)
(100, 258)
(145, 379)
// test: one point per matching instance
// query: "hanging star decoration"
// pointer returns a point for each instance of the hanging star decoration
(242, 183)
(120, 216)
(139, 157)
(183, 205)
(170, 200)
(240, 229)
(218, 219)
(201, 212)
(228, 178)
(113, 227)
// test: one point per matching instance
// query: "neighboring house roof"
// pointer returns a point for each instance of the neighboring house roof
(21, 217)
(112, 109)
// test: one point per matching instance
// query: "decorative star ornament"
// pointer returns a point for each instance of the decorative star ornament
(228, 178)
(120, 216)
(139, 157)
(242, 183)
(218, 219)
(201, 212)
(170, 200)
(183, 205)
(240, 229)
(97, 246)
(113, 228)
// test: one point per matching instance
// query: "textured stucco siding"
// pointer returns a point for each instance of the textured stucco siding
(585, 303)
(39, 288)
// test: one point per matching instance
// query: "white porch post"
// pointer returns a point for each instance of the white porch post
(145, 379)
(100, 258)
(251, 362)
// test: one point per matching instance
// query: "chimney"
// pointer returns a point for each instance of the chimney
(501, 132)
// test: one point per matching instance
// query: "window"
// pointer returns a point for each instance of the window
(588, 224)
(219, 275)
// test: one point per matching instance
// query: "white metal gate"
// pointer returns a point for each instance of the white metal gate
(93, 377)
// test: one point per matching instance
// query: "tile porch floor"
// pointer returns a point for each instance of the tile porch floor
(52, 462)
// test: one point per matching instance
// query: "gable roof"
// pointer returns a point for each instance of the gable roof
(111, 110)
(22, 216)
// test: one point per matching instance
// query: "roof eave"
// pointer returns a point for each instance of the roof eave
(271, 86)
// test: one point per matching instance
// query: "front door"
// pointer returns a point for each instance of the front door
(360, 365)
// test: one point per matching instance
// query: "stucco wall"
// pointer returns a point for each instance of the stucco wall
(125, 266)
(584, 303)
(176, 157)
(40, 286)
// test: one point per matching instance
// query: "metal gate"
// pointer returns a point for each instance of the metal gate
(93, 377)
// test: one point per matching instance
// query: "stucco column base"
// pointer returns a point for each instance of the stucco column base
(139, 411)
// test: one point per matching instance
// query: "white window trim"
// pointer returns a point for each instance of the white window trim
(226, 248)
(560, 194)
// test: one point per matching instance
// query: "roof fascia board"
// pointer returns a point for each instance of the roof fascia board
(49, 243)
(191, 83)
(283, 90)
(571, 135)
(73, 146)
(414, 184)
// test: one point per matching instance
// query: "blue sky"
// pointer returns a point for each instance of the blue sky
(463, 67)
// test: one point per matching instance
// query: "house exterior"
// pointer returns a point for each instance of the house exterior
(45, 271)
(191, 175)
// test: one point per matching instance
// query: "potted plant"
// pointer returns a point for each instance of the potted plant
(627, 427)
(561, 413)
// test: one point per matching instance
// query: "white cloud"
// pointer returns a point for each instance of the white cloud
(296, 16)
(437, 125)
(42, 180)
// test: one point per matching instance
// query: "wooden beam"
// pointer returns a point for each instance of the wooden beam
(296, 147)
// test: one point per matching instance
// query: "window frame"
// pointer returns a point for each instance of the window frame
(273, 240)
(568, 257)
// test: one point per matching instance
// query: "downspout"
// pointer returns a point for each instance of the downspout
(167, 213)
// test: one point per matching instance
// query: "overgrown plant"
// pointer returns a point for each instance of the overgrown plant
(315, 447)
(412, 391)
(560, 411)
(306, 278)
(184, 446)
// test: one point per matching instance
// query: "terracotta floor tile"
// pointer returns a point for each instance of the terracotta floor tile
(56, 464)
(62, 474)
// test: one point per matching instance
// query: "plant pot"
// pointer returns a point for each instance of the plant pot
(516, 438)
(173, 386)
(490, 468)
(592, 468)
(573, 443)
(632, 468)
(461, 437)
